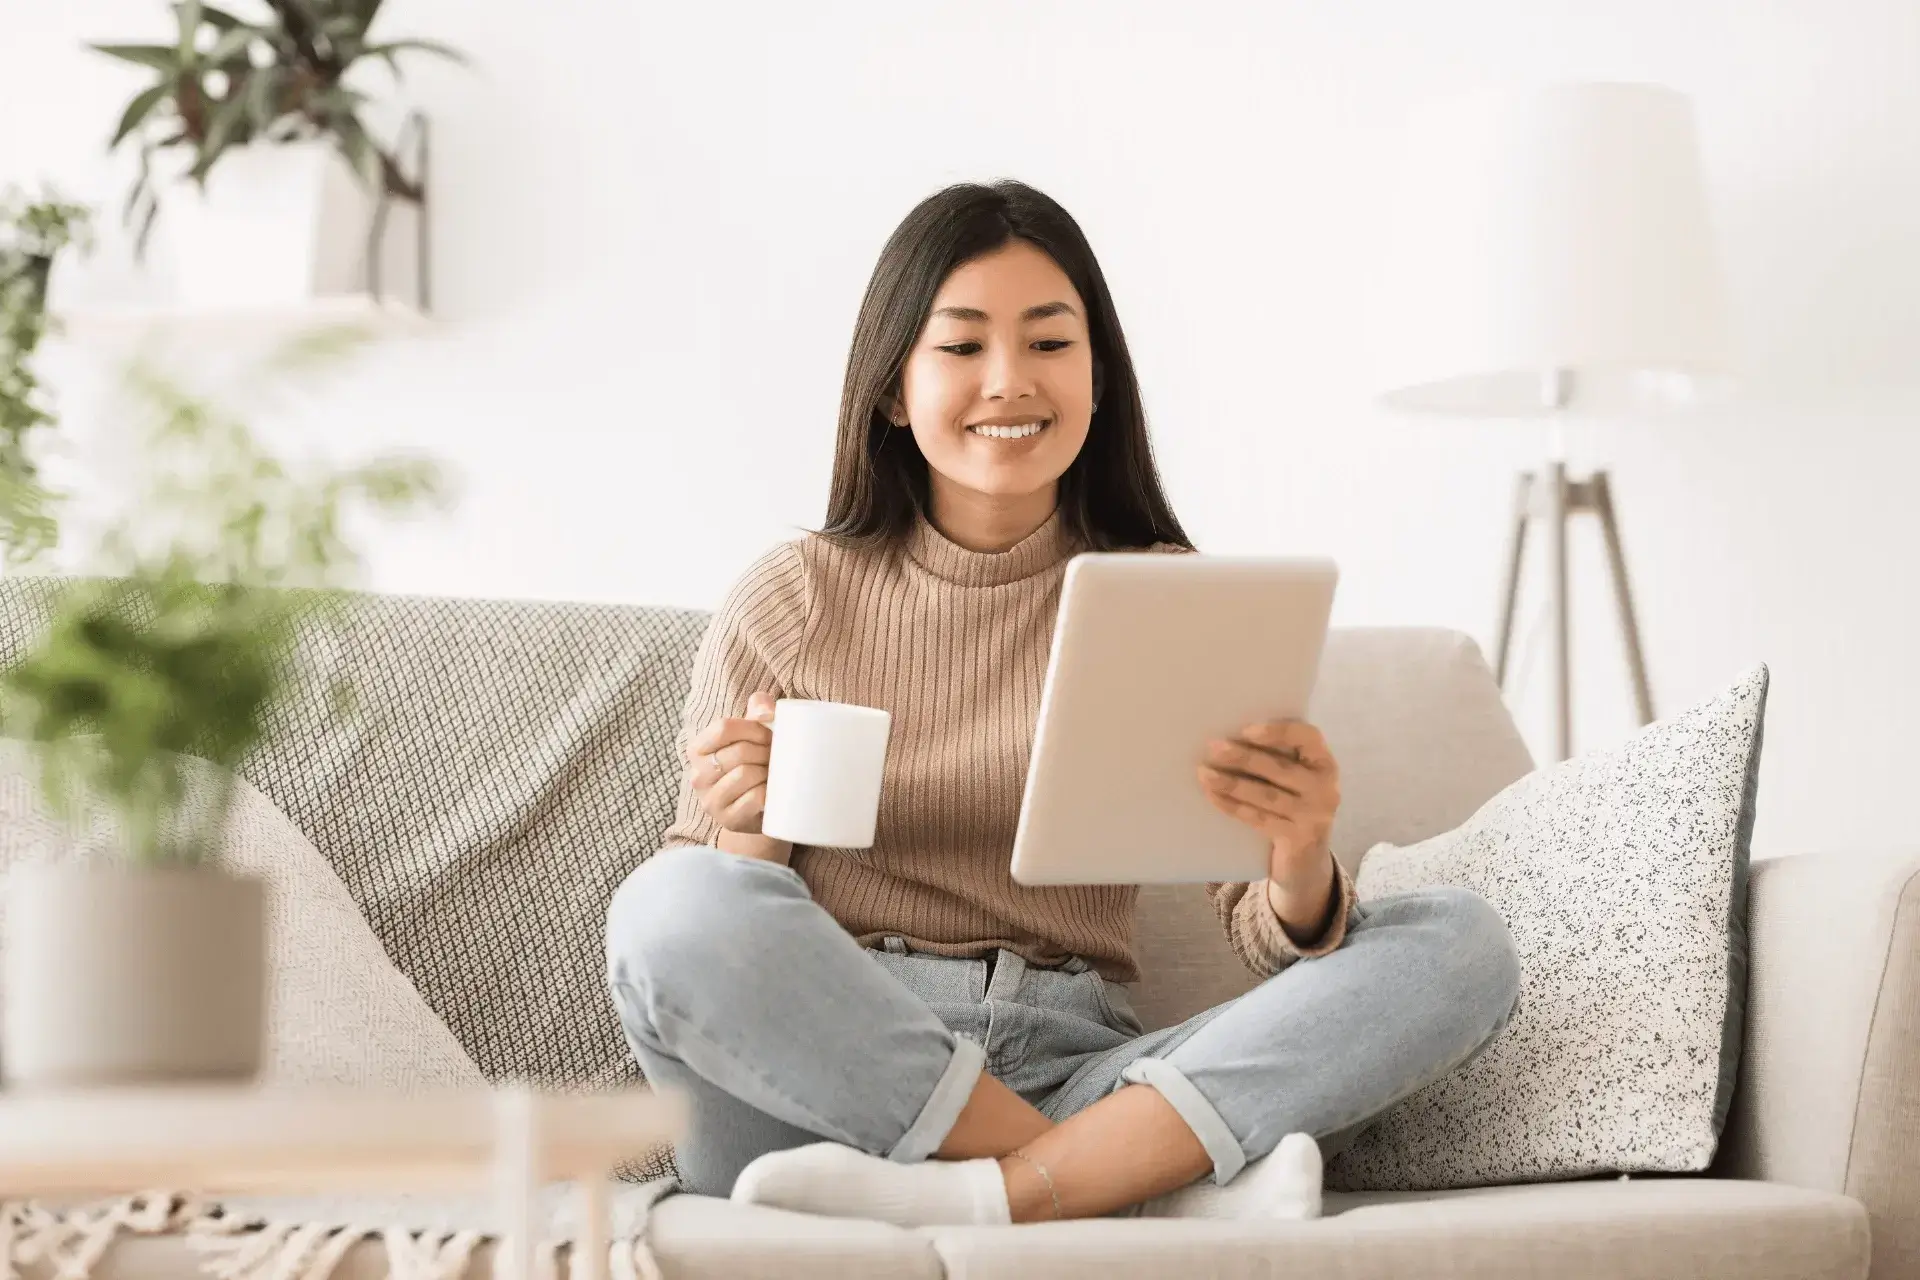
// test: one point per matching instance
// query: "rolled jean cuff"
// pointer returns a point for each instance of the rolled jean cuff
(1192, 1106)
(936, 1119)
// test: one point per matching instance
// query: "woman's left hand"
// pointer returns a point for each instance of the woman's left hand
(1280, 779)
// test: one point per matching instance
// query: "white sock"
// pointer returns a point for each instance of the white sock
(1285, 1184)
(840, 1182)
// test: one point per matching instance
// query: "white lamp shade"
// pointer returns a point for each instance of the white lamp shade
(1552, 230)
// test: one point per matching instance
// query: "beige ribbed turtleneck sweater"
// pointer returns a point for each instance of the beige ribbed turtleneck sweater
(954, 643)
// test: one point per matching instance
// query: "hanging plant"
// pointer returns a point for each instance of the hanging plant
(227, 83)
(32, 234)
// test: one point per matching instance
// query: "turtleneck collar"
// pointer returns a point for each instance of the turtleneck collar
(1039, 551)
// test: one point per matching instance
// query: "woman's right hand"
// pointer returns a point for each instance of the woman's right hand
(727, 764)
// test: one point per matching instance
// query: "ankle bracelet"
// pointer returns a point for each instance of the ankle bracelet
(1044, 1177)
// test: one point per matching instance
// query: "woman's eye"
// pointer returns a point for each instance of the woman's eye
(962, 348)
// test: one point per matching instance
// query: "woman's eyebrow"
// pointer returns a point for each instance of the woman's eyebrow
(1041, 312)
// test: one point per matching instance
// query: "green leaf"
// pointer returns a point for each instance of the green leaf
(187, 14)
(234, 42)
(228, 115)
(336, 105)
(259, 94)
(359, 150)
(158, 56)
(150, 211)
(392, 47)
(219, 18)
(141, 183)
(138, 110)
(340, 98)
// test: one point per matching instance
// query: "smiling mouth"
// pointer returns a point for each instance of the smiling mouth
(1023, 431)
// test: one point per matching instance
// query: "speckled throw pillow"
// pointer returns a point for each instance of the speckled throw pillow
(1622, 875)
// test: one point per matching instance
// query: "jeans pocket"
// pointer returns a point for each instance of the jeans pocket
(1114, 1003)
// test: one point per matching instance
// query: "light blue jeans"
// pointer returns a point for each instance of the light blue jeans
(735, 987)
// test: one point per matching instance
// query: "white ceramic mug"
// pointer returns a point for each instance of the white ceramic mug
(823, 776)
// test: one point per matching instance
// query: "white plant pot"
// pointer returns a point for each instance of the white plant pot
(281, 226)
(132, 975)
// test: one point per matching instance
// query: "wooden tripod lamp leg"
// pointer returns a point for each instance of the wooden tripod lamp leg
(1622, 597)
(1510, 592)
(1556, 490)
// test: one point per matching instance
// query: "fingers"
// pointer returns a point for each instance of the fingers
(726, 731)
(723, 799)
(1243, 789)
(745, 814)
(1287, 754)
(727, 765)
(1274, 766)
(1241, 759)
(731, 756)
(1291, 739)
(1253, 815)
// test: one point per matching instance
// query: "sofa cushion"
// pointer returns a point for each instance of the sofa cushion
(1416, 720)
(1622, 877)
(339, 1012)
(1658, 1227)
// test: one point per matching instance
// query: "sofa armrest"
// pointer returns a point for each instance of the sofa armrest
(1828, 1094)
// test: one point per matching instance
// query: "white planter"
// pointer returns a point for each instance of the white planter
(282, 226)
(125, 975)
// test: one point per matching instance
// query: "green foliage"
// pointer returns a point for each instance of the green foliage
(32, 234)
(134, 675)
(226, 83)
(183, 650)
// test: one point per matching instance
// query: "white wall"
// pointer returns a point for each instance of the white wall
(655, 221)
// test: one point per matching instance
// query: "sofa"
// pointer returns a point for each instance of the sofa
(508, 763)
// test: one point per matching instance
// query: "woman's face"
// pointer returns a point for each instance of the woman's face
(998, 388)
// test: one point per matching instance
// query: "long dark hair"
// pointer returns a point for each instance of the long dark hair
(1111, 496)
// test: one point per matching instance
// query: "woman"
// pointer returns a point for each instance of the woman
(903, 1033)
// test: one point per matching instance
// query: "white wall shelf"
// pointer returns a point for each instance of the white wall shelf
(118, 326)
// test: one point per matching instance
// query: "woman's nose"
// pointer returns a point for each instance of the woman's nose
(1008, 374)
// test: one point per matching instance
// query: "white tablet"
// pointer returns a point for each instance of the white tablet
(1153, 657)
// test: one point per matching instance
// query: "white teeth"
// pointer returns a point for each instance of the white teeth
(1020, 432)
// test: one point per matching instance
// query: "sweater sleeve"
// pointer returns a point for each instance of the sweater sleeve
(750, 646)
(1255, 931)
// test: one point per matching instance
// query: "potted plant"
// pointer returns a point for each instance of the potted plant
(296, 195)
(33, 232)
(153, 968)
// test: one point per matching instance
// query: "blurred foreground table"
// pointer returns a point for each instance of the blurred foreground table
(268, 1140)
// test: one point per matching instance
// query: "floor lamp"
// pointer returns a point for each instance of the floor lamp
(1552, 254)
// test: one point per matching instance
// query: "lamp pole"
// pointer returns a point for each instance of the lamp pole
(1553, 498)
